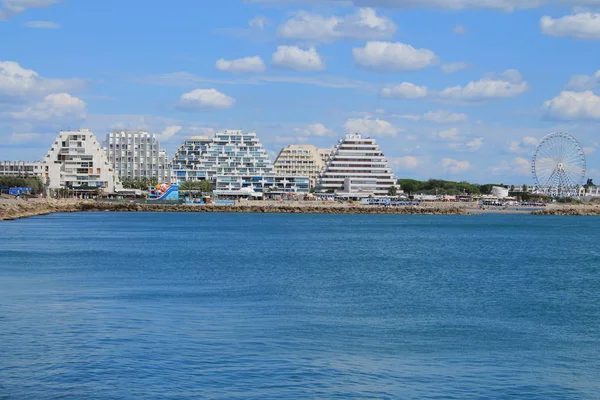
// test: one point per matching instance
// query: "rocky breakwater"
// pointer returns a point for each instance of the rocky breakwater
(581, 210)
(299, 208)
(22, 209)
(16, 209)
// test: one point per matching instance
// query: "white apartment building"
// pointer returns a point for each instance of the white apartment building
(76, 161)
(301, 160)
(136, 155)
(22, 169)
(235, 162)
(358, 167)
(186, 162)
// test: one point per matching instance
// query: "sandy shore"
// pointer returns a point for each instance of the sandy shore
(14, 209)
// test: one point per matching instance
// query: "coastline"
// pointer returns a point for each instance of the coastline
(16, 209)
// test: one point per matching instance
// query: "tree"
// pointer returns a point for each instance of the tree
(392, 191)
(409, 187)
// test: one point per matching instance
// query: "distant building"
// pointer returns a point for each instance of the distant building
(235, 162)
(591, 192)
(499, 192)
(357, 168)
(136, 155)
(325, 155)
(300, 160)
(21, 169)
(186, 163)
(76, 162)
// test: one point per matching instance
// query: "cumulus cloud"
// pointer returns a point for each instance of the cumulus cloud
(393, 57)
(452, 5)
(241, 65)
(518, 166)
(570, 106)
(459, 30)
(10, 8)
(369, 126)
(297, 59)
(365, 24)
(579, 26)
(454, 67)
(584, 82)
(169, 132)
(405, 90)
(17, 82)
(58, 106)
(258, 23)
(523, 146)
(406, 162)
(315, 130)
(474, 144)
(202, 99)
(41, 24)
(452, 166)
(494, 86)
(439, 117)
(451, 133)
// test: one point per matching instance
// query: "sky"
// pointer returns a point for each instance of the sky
(451, 89)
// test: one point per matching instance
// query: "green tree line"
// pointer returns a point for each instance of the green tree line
(442, 187)
(138, 183)
(35, 184)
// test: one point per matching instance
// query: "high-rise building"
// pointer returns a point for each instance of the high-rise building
(186, 162)
(300, 160)
(235, 162)
(76, 161)
(357, 166)
(136, 155)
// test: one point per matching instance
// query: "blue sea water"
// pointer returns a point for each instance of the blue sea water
(289, 306)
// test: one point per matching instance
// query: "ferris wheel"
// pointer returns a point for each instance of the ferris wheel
(558, 165)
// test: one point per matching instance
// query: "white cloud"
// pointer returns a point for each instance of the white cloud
(474, 144)
(573, 106)
(201, 99)
(451, 133)
(297, 59)
(259, 23)
(369, 126)
(41, 24)
(506, 85)
(241, 65)
(445, 117)
(58, 106)
(459, 30)
(315, 130)
(452, 166)
(438, 116)
(405, 90)
(393, 57)
(169, 132)
(454, 67)
(17, 82)
(406, 162)
(580, 26)
(524, 146)
(10, 8)
(365, 24)
(453, 5)
(584, 82)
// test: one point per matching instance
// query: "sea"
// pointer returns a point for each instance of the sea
(299, 306)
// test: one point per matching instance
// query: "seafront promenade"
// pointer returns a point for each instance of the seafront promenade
(14, 209)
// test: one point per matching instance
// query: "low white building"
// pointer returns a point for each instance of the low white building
(21, 169)
(499, 192)
(77, 162)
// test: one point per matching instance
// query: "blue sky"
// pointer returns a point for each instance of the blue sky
(453, 89)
